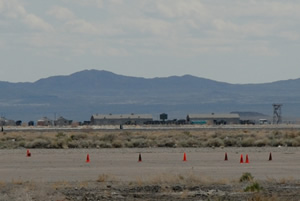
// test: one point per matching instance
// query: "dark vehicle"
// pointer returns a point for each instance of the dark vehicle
(247, 122)
(181, 121)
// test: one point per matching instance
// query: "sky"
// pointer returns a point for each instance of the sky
(234, 41)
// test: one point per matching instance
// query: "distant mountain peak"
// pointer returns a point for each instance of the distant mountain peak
(93, 72)
(100, 91)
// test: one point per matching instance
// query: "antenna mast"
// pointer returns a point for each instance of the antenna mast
(277, 119)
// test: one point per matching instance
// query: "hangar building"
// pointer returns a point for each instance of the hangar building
(213, 118)
(118, 119)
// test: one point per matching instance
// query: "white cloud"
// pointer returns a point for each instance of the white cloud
(283, 9)
(2, 43)
(248, 29)
(115, 52)
(74, 24)
(179, 8)
(39, 40)
(36, 23)
(179, 29)
(263, 50)
(13, 9)
(147, 26)
(98, 3)
(290, 35)
(61, 13)
(117, 2)
(82, 26)
(261, 9)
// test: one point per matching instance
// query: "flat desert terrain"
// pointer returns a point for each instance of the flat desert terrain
(116, 174)
(70, 164)
(58, 169)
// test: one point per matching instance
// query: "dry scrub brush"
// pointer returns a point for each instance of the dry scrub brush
(188, 179)
(141, 139)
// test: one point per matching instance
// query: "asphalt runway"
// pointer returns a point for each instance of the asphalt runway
(52, 165)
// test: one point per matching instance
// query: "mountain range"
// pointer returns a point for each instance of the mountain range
(79, 95)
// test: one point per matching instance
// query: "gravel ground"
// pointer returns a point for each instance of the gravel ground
(70, 164)
(116, 174)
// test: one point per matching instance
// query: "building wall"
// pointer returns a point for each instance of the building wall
(214, 120)
(62, 122)
(43, 123)
(139, 121)
(118, 119)
(5, 122)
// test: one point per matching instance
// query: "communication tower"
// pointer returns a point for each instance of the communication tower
(277, 119)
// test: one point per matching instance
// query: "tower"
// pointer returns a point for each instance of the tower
(277, 119)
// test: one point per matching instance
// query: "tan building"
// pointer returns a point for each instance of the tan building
(119, 119)
(44, 122)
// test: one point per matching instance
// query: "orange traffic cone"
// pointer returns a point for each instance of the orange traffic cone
(140, 158)
(241, 160)
(270, 156)
(184, 156)
(28, 154)
(247, 159)
(226, 158)
(87, 158)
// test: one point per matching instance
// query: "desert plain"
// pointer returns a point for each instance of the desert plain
(112, 173)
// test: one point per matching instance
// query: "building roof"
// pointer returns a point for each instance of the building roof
(213, 115)
(43, 119)
(61, 119)
(122, 116)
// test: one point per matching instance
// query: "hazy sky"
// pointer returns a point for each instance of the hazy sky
(236, 41)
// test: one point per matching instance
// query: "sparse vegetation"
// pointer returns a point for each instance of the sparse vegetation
(169, 187)
(165, 186)
(38, 143)
(60, 135)
(247, 176)
(189, 179)
(103, 178)
(139, 139)
(253, 187)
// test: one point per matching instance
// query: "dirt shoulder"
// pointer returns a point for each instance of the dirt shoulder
(106, 190)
